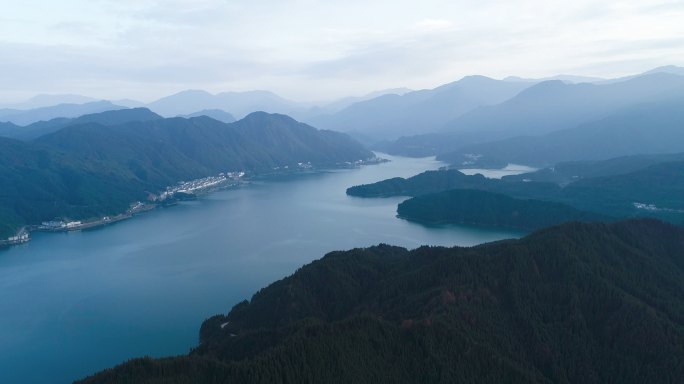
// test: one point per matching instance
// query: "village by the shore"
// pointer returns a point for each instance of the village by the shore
(184, 190)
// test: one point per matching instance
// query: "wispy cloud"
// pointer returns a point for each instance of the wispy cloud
(309, 49)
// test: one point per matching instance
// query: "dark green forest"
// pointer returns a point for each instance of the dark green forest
(576, 303)
(608, 192)
(106, 161)
(473, 207)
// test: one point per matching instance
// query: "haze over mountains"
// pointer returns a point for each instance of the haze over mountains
(642, 128)
(108, 118)
(191, 103)
(476, 121)
(29, 116)
(97, 165)
(451, 117)
(391, 116)
(562, 122)
(495, 190)
(610, 150)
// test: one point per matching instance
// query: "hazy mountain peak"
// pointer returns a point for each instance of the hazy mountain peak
(541, 89)
(575, 79)
(190, 92)
(571, 79)
(671, 69)
(119, 116)
(545, 86)
(31, 116)
(475, 78)
(216, 114)
(256, 92)
(261, 116)
(514, 78)
(48, 100)
(238, 103)
(391, 91)
(472, 80)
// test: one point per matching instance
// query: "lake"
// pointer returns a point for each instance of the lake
(509, 170)
(74, 303)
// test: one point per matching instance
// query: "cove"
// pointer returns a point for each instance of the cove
(75, 303)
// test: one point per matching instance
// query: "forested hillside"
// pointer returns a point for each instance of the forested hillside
(577, 303)
(473, 207)
(98, 164)
(631, 194)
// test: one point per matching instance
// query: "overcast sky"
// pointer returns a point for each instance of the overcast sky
(315, 50)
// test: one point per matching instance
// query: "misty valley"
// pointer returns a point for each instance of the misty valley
(482, 231)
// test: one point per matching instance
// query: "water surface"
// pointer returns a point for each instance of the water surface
(74, 303)
(509, 170)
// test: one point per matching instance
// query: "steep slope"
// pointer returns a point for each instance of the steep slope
(41, 184)
(167, 150)
(577, 303)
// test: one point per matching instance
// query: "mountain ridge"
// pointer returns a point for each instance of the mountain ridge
(542, 109)
(590, 303)
(89, 170)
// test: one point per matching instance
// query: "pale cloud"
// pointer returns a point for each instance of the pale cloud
(306, 49)
(433, 25)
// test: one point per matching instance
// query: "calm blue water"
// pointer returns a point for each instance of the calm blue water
(74, 303)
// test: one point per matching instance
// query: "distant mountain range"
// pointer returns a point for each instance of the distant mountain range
(107, 118)
(216, 114)
(476, 121)
(576, 303)
(190, 103)
(648, 128)
(571, 79)
(96, 165)
(237, 103)
(391, 116)
(26, 117)
(553, 105)
(400, 111)
(553, 121)
(45, 100)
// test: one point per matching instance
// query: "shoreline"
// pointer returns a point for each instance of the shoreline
(23, 236)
